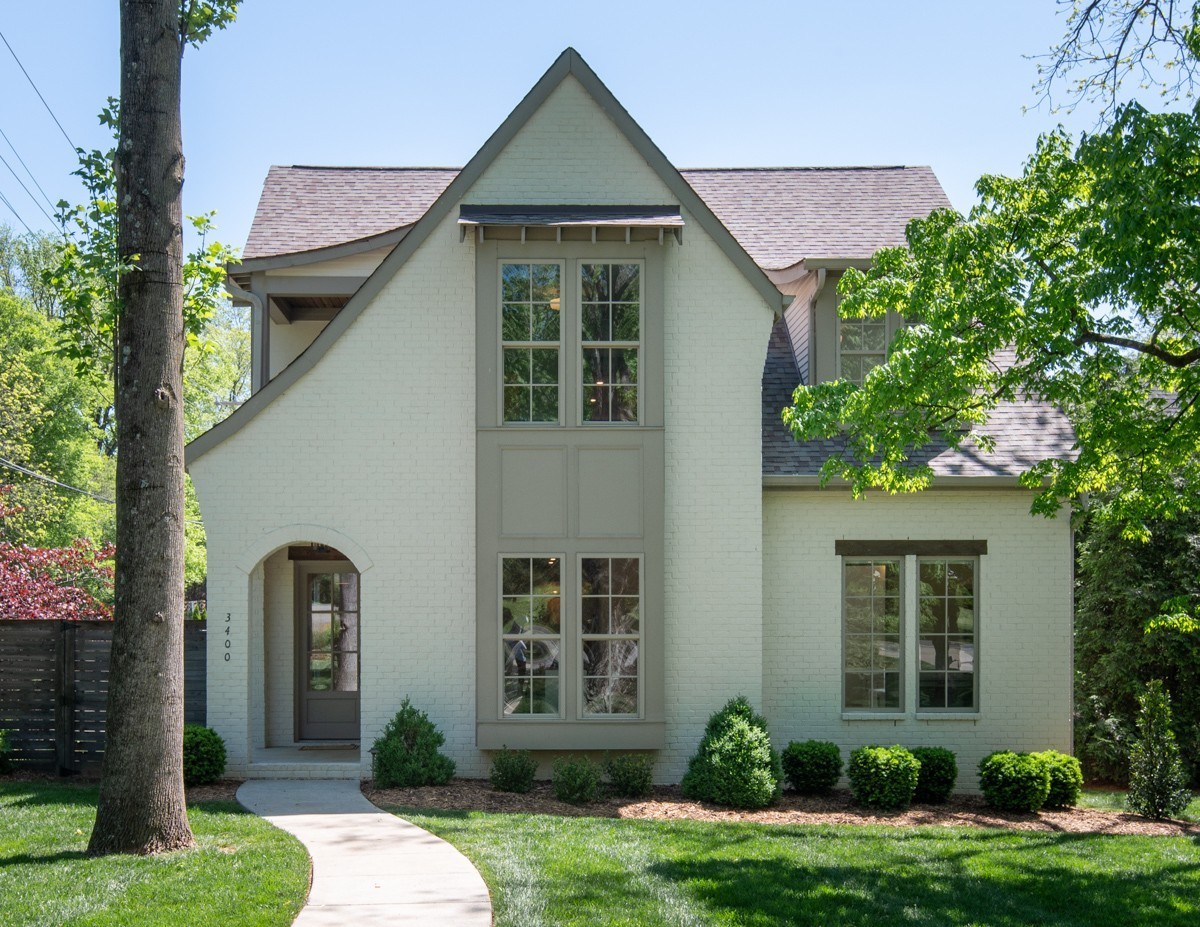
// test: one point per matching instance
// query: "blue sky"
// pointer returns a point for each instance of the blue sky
(939, 82)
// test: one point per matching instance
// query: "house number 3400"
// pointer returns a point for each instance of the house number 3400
(228, 631)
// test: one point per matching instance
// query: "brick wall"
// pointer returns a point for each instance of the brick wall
(1024, 615)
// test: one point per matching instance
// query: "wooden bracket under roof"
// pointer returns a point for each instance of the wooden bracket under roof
(571, 223)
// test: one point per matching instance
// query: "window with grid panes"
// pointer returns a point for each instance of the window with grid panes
(872, 652)
(610, 621)
(862, 346)
(948, 632)
(531, 303)
(531, 634)
(610, 340)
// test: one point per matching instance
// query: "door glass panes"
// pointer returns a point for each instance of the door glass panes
(332, 629)
(871, 660)
(610, 614)
(530, 629)
(947, 634)
(862, 346)
(530, 310)
(610, 338)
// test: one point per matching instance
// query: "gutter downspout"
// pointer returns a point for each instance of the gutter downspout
(258, 358)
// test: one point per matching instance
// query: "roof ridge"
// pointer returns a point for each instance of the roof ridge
(811, 167)
(362, 167)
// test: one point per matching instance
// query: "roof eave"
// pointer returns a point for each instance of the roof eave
(319, 255)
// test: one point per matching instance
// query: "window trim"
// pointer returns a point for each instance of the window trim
(570, 355)
(610, 345)
(892, 324)
(582, 713)
(910, 553)
(901, 634)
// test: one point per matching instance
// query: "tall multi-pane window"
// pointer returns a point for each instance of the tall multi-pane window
(610, 618)
(531, 634)
(610, 337)
(872, 661)
(332, 632)
(862, 346)
(948, 629)
(531, 303)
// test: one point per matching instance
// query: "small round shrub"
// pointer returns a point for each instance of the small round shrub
(735, 764)
(938, 775)
(812, 767)
(5, 754)
(406, 753)
(1066, 779)
(513, 771)
(203, 755)
(1014, 781)
(630, 775)
(576, 780)
(883, 777)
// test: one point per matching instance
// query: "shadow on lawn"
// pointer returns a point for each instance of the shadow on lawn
(28, 859)
(950, 880)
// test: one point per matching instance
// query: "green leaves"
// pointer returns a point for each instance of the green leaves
(198, 19)
(1077, 284)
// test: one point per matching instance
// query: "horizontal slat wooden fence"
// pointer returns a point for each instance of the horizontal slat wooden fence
(54, 688)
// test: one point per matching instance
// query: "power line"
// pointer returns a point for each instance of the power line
(5, 462)
(74, 147)
(13, 210)
(26, 189)
(27, 170)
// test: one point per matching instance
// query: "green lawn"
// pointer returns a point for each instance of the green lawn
(1109, 800)
(560, 872)
(243, 872)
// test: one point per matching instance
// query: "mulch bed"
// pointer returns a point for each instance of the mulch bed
(666, 803)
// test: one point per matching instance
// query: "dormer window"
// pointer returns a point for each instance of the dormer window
(862, 346)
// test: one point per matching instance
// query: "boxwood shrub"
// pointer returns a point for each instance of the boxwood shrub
(630, 775)
(203, 755)
(884, 777)
(513, 771)
(576, 779)
(938, 775)
(812, 767)
(406, 753)
(735, 764)
(1066, 779)
(1014, 781)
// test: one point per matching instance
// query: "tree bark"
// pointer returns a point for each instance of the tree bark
(142, 806)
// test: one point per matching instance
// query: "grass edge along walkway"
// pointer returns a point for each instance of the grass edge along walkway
(242, 872)
(546, 871)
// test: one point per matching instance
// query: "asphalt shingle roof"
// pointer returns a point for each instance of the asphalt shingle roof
(779, 215)
(1024, 432)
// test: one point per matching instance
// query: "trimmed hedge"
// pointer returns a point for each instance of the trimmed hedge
(938, 774)
(884, 777)
(812, 767)
(1014, 781)
(203, 755)
(1066, 779)
(513, 771)
(576, 780)
(630, 775)
(406, 753)
(735, 764)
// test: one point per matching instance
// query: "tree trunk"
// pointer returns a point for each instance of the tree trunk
(141, 791)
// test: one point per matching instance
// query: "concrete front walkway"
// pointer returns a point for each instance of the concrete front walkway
(369, 867)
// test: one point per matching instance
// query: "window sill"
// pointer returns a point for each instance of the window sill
(545, 734)
(948, 716)
(873, 716)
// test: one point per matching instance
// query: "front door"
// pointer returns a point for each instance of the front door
(327, 629)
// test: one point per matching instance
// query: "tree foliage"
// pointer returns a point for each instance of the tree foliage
(1121, 643)
(53, 583)
(1077, 283)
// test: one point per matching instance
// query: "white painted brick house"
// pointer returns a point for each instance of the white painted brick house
(514, 451)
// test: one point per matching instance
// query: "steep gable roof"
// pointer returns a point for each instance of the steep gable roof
(779, 215)
(568, 64)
